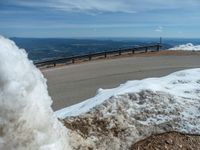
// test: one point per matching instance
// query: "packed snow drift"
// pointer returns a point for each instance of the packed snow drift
(187, 47)
(27, 121)
(117, 118)
(113, 119)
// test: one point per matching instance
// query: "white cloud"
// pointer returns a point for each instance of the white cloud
(82, 5)
(159, 29)
(127, 6)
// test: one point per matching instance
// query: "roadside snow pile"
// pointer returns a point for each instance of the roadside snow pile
(117, 118)
(27, 121)
(187, 47)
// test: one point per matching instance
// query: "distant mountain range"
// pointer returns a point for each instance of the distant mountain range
(49, 48)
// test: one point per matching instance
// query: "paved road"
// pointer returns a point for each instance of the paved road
(72, 84)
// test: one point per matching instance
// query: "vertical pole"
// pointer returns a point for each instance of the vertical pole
(105, 54)
(90, 57)
(158, 47)
(73, 61)
(160, 40)
(120, 52)
(146, 49)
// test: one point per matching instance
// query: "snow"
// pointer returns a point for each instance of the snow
(27, 121)
(117, 118)
(187, 47)
(176, 84)
(113, 119)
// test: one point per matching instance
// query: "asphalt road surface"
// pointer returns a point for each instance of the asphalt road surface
(72, 84)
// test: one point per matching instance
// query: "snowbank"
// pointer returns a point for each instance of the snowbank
(171, 84)
(27, 121)
(187, 47)
(117, 118)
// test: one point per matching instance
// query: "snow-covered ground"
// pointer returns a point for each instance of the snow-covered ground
(187, 47)
(117, 118)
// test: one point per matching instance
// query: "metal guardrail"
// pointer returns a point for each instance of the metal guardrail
(105, 54)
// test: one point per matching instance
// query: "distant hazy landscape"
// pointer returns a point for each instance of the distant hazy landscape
(49, 48)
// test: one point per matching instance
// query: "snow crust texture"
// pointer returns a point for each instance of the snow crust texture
(27, 121)
(187, 47)
(137, 110)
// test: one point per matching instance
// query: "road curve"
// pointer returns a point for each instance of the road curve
(72, 84)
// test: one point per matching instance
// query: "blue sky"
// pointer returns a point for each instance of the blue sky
(100, 18)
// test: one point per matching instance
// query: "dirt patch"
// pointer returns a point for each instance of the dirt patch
(169, 141)
(84, 126)
(168, 52)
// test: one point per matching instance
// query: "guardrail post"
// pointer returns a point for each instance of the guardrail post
(105, 54)
(73, 60)
(146, 49)
(120, 52)
(158, 47)
(90, 57)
